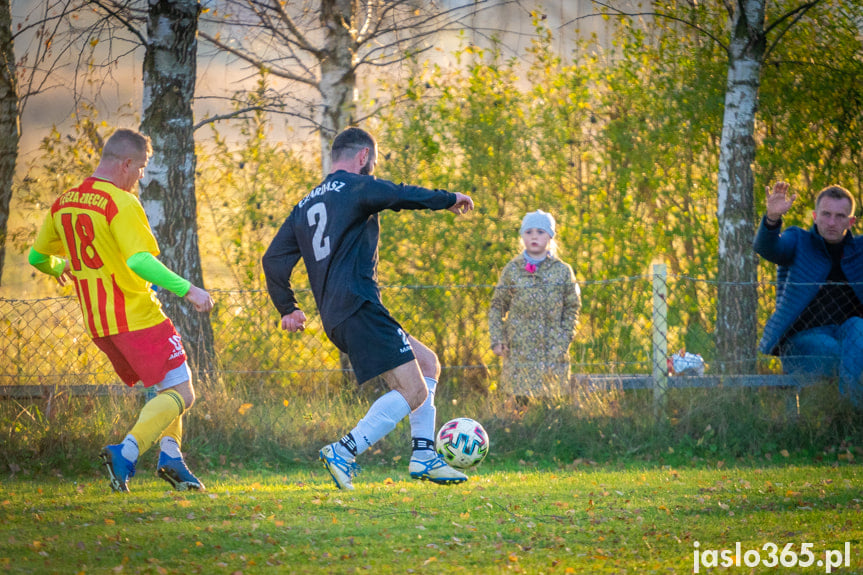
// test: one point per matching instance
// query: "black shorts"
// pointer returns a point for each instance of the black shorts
(374, 341)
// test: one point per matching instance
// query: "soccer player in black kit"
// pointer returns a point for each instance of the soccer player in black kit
(335, 230)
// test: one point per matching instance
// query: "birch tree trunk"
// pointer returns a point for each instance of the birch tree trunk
(338, 81)
(736, 325)
(338, 85)
(9, 126)
(168, 188)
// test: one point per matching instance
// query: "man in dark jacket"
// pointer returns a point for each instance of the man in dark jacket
(817, 328)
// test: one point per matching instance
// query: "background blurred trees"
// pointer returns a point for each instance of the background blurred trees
(621, 141)
(318, 49)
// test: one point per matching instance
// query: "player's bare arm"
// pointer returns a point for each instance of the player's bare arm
(462, 205)
(779, 201)
(294, 321)
(199, 298)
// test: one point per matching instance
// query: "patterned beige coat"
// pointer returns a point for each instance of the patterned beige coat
(534, 315)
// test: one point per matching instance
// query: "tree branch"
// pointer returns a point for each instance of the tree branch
(301, 40)
(124, 21)
(256, 62)
(796, 14)
(661, 15)
(228, 116)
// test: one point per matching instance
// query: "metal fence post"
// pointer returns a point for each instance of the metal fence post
(660, 336)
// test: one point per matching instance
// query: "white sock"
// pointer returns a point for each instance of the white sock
(381, 418)
(170, 447)
(423, 423)
(129, 448)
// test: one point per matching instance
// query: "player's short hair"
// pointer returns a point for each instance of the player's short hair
(350, 142)
(836, 193)
(125, 143)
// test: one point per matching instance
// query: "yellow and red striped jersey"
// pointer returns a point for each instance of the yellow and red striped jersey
(98, 226)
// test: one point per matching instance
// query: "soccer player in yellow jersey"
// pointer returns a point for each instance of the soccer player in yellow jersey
(97, 236)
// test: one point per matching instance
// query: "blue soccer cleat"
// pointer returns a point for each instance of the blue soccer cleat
(341, 470)
(435, 470)
(174, 471)
(118, 467)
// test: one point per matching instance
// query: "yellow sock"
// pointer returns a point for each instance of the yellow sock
(157, 415)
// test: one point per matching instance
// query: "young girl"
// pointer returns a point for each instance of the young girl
(533, 314)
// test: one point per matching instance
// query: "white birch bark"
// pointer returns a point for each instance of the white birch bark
(338, 81)
(168, 187)
(736, 325)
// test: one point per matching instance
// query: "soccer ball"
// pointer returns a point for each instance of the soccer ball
(462, 442)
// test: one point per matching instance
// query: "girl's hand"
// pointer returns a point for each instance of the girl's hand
(500, 350)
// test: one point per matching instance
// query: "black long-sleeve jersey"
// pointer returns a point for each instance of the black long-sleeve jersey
(335, 230)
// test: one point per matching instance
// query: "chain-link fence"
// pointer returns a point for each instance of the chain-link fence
(619, 332)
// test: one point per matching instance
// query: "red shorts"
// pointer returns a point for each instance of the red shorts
(144, 355)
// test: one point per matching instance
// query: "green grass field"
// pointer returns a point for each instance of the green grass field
(578, 519)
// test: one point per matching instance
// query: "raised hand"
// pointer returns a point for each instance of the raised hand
(779, 201)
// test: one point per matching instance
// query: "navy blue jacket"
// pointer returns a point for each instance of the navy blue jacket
(803, 265)
(335, 230)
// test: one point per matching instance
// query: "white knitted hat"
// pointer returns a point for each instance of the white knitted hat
(539, 220)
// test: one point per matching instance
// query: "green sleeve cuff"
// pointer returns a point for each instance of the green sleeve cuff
(51, 265)
(148, 267)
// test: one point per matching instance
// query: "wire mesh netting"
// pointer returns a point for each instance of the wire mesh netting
(44, 343)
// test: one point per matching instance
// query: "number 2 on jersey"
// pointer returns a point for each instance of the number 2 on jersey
(317, 216)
